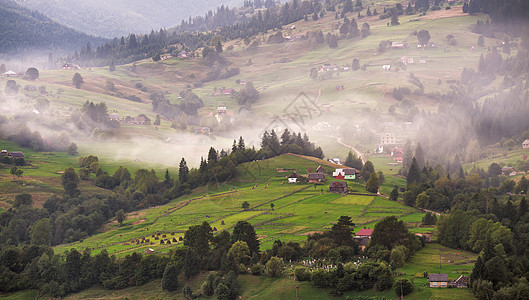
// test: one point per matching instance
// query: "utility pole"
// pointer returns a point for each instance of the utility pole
(440, 264)
(297, 292)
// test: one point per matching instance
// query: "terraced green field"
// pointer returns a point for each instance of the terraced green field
(298, 210)
(354, 200)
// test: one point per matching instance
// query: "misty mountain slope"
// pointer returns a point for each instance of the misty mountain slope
(121, 17)
(23, 29)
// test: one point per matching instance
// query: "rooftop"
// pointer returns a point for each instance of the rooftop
(438, 277)
(364, 232)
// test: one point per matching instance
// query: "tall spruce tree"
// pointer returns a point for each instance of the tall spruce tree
(414, 173)
(183, 172)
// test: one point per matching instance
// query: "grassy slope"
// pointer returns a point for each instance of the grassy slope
(280, 72)
(454, 262)
(41, 178)
(299, 209)
(22, 295)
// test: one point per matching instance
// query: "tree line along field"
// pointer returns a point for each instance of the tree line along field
(298, 210)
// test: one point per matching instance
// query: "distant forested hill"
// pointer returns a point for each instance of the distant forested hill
(22, 29)
(122, 17)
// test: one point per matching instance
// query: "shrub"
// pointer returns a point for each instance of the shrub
(170, 278)
(257, 269)
(403, 287)
(319, 278)
(274, 267)
(302, 274)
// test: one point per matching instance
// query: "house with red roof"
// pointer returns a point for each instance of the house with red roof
(362, 237)
(362, 233)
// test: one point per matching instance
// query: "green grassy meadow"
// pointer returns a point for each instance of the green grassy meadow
(435, 258)
(299, 210)
(280, 72)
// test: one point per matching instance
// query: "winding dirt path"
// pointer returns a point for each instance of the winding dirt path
(358, 153)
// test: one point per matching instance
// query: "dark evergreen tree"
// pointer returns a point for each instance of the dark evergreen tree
(183, 172)
(70, 181)
(77, 80)
(342, 231)
(394, 18)
(244, 231)
(414, 175)
(394, 194)
(373, 183)
(419, 156)
(170, 278)
(367, 170)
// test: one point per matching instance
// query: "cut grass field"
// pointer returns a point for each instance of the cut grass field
(299, 209)
(354, 200)
(435, 258)
(21, 295)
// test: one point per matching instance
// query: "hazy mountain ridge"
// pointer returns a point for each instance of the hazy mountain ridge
(23, 29)
(121, 17)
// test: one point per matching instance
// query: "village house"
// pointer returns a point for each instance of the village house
(3, 153)
(203, 130)
(293, 178)
(328, 67)
(335, 160)
(461, 282)
(221, 110)
(406, 60)
(525, 144)
(364, 233)
(10, 73)
(225, 92)
(346, 173)
(427, 45)
(320, 169)
(16, 154)
(183, 54)
(138, 121)
(338, 187)
(398, 45)
(70, 66)
(438, 279)
(508, 171)
(362, 237)
(397, 153)
(386, 67)
(113, 116)
(316, 177)
(427, 236)
(388, 139)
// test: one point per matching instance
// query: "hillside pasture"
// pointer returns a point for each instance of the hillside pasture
(299, 209)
